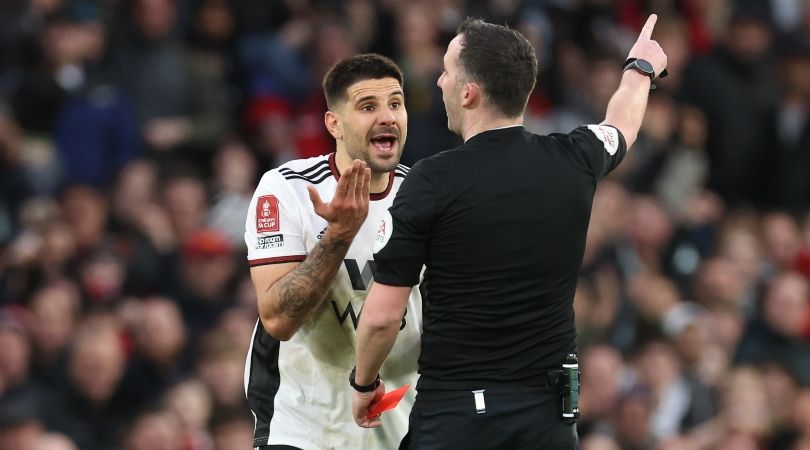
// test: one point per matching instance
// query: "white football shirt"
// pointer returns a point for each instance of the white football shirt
(298, 390)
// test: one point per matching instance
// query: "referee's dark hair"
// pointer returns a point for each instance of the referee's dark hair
(501, 60)
(346, 72)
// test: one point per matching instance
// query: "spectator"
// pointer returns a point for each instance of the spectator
(55, 441)
(95, 129)
(15, 360)
(783, 396)
(185, 199)
(206, 274)
(20, 433)
(85, 210)
(632, 421)
(736, 142)
(55, 311)
(601, 387)
(779, 333)
(791, 128)
(235, 170)
(92, 410)
(782, 240)
(154, 429)
(233, 430)
(160, 356)
(420, 57)
(220, 367)
(742, 418)
(191, 401)
(598, 441)
(178, 102)
(679, 402)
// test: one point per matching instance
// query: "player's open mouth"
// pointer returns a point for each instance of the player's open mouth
(384, 142)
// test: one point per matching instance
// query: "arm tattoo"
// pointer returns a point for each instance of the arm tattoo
(302, 290)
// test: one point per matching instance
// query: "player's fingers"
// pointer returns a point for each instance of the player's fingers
(374, 422)
(366, 184)
(647, 30)
(370, 422)
(342, 188)
(362, 185)
(314, 198)
(356, 174)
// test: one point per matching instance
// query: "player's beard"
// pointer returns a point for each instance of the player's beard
(362, 149)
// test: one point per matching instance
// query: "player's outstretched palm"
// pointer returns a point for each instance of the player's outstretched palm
(349, 207)
(646, 48)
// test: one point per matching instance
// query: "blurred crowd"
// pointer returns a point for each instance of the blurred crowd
(133, 132)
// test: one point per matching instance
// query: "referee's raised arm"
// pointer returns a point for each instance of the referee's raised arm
(645, 62)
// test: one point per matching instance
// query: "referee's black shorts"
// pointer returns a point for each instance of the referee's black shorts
(520, 418)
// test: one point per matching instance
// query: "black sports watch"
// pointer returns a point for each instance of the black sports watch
(360, 388)
(643, 66)
(640, 65)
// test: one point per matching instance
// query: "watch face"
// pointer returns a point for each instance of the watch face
(644, 65)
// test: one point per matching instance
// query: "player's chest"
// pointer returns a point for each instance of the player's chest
(362, 247)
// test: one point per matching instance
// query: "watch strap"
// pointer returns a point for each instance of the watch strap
(363, 388)
(629, 61)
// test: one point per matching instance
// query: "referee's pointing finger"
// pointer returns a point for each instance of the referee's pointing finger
(648, 27)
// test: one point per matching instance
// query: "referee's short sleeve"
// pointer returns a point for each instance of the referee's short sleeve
(400, 248)
(601, 147)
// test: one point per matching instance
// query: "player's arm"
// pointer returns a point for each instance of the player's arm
(625, 110)
(376, 333)
(289, 293)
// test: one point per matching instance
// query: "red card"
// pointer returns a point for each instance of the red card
(388, 401)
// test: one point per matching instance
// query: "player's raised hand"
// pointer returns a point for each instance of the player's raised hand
(349, 207)
(646, 48)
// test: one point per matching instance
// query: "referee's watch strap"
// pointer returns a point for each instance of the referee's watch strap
(629, 64)
(363, 388)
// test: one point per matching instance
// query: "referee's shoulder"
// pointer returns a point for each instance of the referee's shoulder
(439, 159)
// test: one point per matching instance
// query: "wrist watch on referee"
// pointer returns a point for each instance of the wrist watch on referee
(363, 388)
(643, 66)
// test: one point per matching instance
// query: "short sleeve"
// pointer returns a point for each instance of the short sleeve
(400, 247)
(273, 229)
(601, 147)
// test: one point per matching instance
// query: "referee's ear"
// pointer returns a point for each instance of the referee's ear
(332, 122)
(472, 95)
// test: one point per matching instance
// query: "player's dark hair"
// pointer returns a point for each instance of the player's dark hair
(368, 66)
(501, 60)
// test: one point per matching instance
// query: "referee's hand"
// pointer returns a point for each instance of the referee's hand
(349, 207)
(362, 402)
(646, 48)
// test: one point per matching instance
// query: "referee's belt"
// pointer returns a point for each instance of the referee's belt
(554, 380)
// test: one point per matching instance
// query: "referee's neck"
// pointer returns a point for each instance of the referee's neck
(488, 124)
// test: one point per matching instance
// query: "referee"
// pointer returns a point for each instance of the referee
(500, 224)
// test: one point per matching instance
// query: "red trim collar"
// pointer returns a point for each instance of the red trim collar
(377, 196)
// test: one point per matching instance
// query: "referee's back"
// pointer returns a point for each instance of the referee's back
(504, 219)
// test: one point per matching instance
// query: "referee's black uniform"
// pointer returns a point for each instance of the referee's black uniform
(500, 223)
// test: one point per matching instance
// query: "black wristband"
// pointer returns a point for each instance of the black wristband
(361, 388)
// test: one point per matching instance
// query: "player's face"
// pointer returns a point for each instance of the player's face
(375, 123)
(451, 86)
